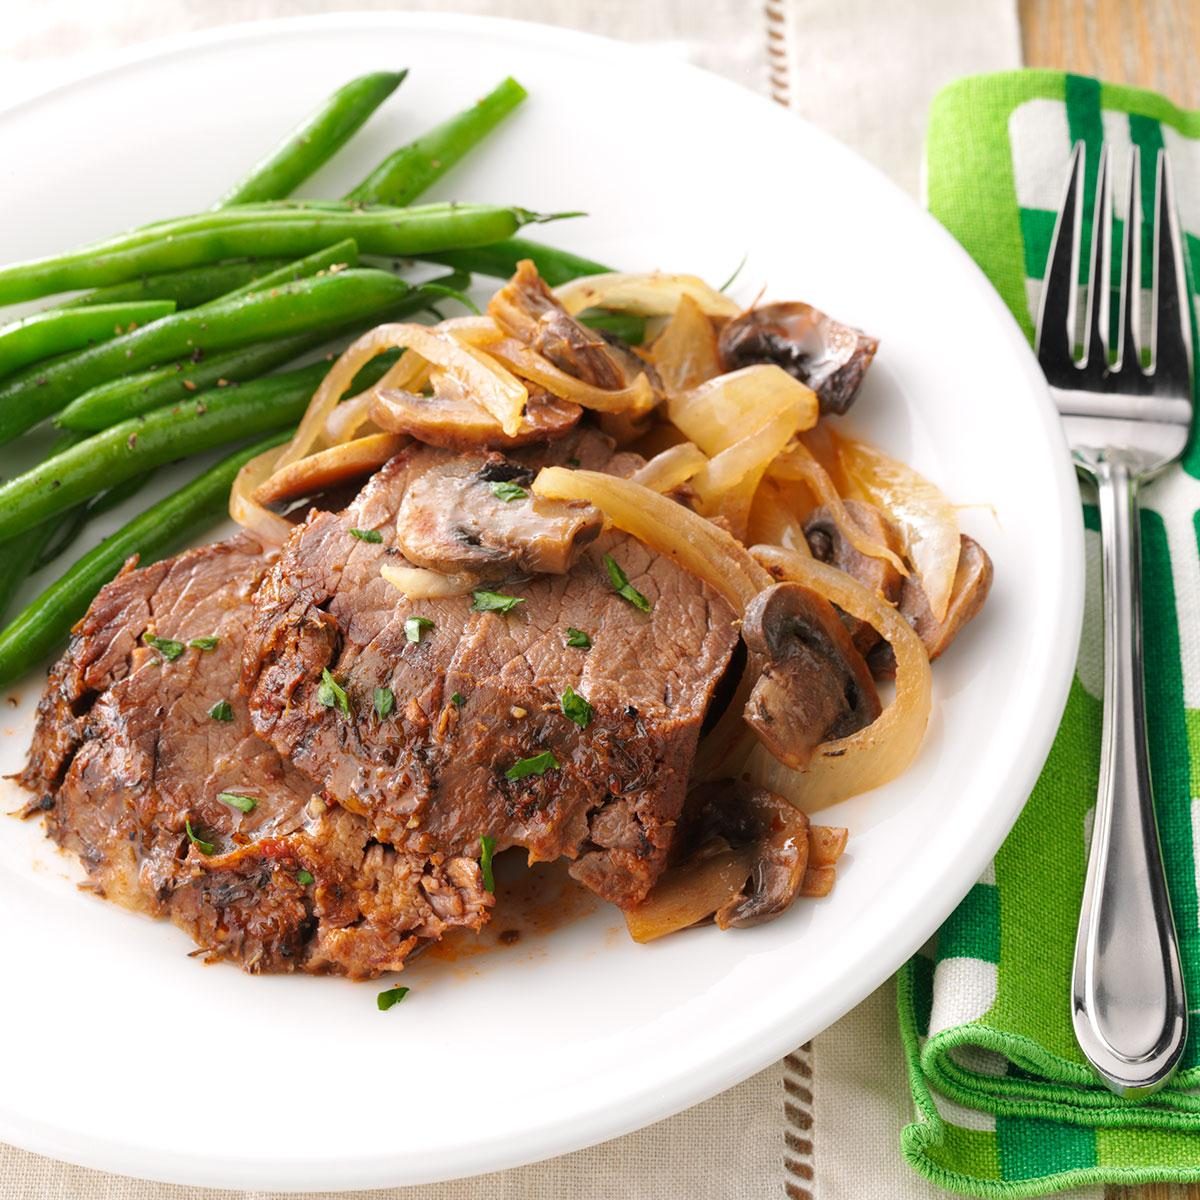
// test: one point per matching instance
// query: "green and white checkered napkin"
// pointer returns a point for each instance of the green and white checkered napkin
(1005, 1102)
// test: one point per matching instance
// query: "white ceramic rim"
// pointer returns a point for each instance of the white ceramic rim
(892, 942)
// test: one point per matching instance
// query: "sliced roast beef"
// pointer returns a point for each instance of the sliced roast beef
(140, 732)
(467, 701)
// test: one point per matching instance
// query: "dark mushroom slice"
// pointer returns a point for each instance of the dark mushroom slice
(972, 582)
(474, 514)
(831, 358)
(829, 545)
(456, 422)
(813, 684)
(742, 856)
(781, 843)
(527, 310)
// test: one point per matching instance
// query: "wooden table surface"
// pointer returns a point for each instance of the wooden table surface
(1148, 43)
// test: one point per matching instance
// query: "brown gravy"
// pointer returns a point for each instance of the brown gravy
(531, 902)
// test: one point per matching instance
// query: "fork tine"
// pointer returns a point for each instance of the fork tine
(1129, 316)
(1096, 321)
(1171, 332)
(1056, 315)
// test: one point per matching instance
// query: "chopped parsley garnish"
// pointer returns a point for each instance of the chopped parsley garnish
(494, 601)
(384, 702)
(457, 699)
(169, 649)
(539, 764)
(577, 638)
(367, 535)
(385, 1000)
(221, 711)
(623, 587)
(415, 626)
(200, 844)
(508, 491)
(332, 694)
(487, 846)
(572, 462)
(576, 708)
(304, 878)
(236, 800)
(204, 643)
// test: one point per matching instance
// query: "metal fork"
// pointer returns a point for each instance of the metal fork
(1125, 423)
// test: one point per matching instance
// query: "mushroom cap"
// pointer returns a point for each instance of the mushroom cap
(813, 684)
(775, 832)
(831, 358)
(829, 545)
(454, 518)
(742, 855)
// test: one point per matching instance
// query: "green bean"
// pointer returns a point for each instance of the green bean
(264, 229)
(188, 287)
(48, 334)
(20, 555)
(212, 418)
(106, 459)
(500, 259)
(129, 395)
(74, 522)
(414, 168)
(315, 141)
(46, 621)
(132, 395)
(299, 307)
(341, 254)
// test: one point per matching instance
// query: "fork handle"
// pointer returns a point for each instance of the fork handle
(1128, 1003)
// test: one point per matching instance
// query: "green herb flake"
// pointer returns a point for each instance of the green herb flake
(576, 708)
(385, 701)
(169, 649)
(508, 491)
(304, 878)
(572, 462)
(578, 639)
(487, 846)
(539, 764)
(367, 535)
(332, 694)
(200, 844)
(415, 626)
(236, 800)
(221, 711)
(392, 996)
(204, 643)
(623, 587)
(494, 602)
(457, 699)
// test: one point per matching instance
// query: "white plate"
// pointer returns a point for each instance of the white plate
(122, 1053)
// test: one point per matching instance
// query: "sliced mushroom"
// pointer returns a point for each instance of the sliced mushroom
(972, 582)
(781, 850)
(456, 422)
(330, 468)
(831, 358)
(527, 310)
(829, 545)
(813, 684)
(468, 515)
(742, 855)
